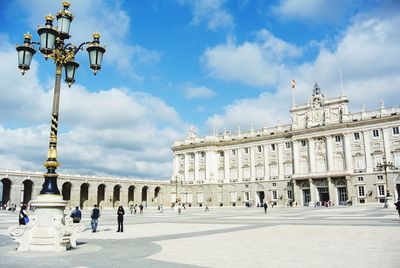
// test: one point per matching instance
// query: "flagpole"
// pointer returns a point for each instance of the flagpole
(293, 86)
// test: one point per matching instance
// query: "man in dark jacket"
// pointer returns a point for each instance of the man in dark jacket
(95, 215)
(76, 215)
(397, 204)
(265, 207)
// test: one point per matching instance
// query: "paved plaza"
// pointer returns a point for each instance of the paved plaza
(366, 236)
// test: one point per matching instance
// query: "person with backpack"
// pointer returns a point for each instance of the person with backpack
(95, 215)
(23, 216)
(76, 215)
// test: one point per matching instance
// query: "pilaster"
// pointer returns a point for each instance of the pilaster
(386, 142)
(253, 163)
(332, 191)
(240, 172)
(281, 173)
(266, 162)
(227, 165)
(347, 152)
(196, 165)
(367, 149)
(186, 174)
(295, 157)
(313, 192)
(311, 154)
(329, 153)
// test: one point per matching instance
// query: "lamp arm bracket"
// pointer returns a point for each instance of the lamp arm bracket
(80, 47)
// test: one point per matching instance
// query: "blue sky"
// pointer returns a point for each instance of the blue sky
(172, 64)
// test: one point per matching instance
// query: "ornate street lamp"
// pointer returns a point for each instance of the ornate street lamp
(384, 166)
(52, 45)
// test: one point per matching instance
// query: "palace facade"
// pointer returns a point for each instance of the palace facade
(325, 154)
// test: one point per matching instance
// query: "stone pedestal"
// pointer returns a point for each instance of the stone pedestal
(48, 229)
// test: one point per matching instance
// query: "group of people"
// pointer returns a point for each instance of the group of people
(324, 203)
(95, 214)
(133, 208)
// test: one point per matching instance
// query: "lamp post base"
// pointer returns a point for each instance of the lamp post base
(48, 229)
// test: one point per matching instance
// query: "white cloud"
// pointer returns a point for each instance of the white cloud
(211, 12)
(259, 63)
(110, 20)
(114, 132)
(198, 92)
(314, 10)
(367, 53)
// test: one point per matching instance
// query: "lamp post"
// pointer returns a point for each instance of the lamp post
(52, 44)
(384, 166)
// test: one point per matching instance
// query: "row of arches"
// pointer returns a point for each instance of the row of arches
(25, 194)
(115, 199)
(9, 196)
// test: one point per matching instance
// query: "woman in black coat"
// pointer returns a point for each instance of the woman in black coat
(120, 218)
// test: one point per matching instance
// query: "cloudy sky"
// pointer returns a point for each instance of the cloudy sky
(213, 64)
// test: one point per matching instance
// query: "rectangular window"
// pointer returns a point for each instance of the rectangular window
(375, 133)
(361, 191)
(396, 131)
(360, 179)
(274, 195)
(357, 136)
(233, 152)
(259, 149)
(273, 147)
(246, 150)
(337, 138)
(203, 154)
(274, 184)
(289, 194)
(287, 144)
(246, 196)
(380, 177)
(221, 154)
(303, 143)
(381, 190)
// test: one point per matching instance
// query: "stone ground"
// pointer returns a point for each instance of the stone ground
(367, 236)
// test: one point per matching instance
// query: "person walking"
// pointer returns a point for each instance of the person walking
(76, 215)
(120, 218)
(95, 215)
(179, 208)
(265, 207)
(397, 204)
(141, 208)
(23, 218)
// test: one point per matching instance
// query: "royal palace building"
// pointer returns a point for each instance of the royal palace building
(326, 155)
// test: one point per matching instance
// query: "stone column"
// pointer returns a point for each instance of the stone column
(109, 196)
(186, 174)
(266, 162)
(227, 165)
(329, 153)
(313, 193)
(253, 163)
(240, 172)
(75, 194)
(351, 195)
(367, 150)
(386, 142)
(297, 194)
(92, 194)
(123, 196)
(196, 165)
(347, 152)
(332, 191)
(311, 154)
(295, 157)
(281, 173)
(15, 192)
